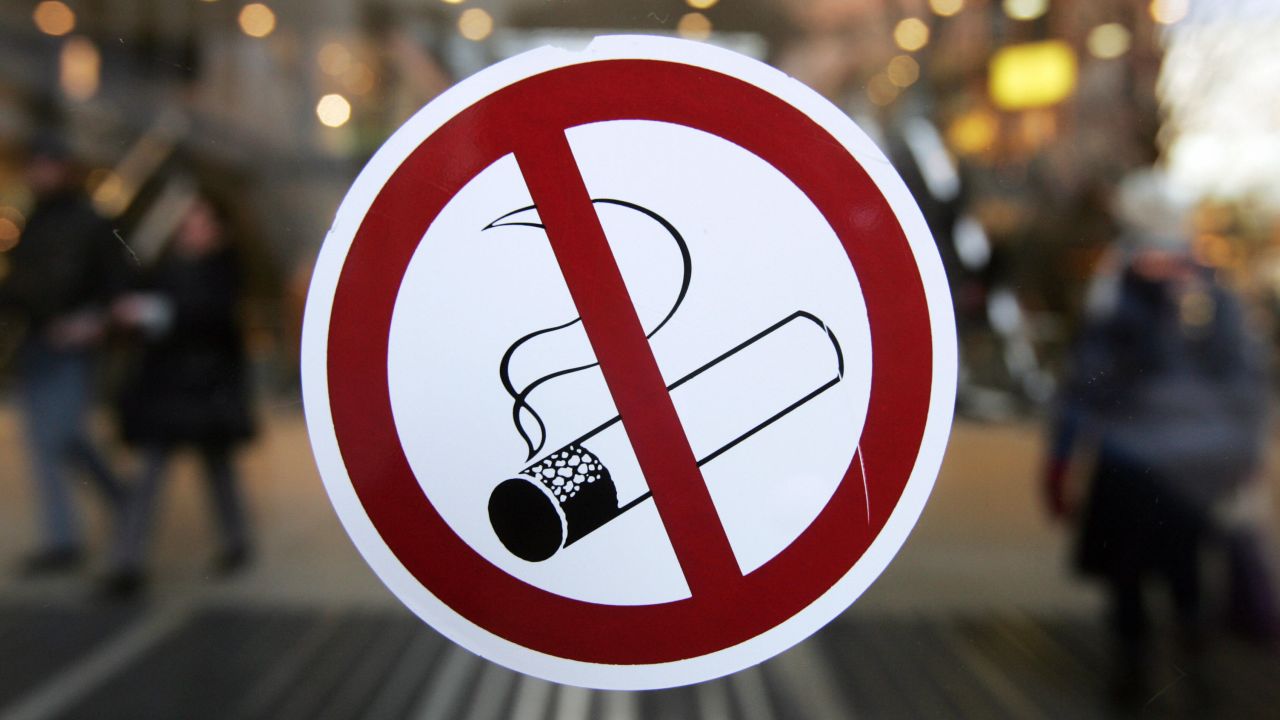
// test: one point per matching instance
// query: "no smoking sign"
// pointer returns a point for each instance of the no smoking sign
(628, 368)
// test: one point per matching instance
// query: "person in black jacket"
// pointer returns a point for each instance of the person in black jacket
(1168, 391)
(62, 274)
(189, 386)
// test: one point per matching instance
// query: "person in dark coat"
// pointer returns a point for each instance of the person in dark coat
(63, 272)
(1169, 391)
(189, 387)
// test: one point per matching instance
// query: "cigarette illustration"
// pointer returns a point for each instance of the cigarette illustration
(569, 493)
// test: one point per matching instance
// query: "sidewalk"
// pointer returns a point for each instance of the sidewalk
(983, 541)
(977, 617)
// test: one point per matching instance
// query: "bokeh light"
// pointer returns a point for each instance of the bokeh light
(946, 8)
(881, 90)
(694, 26)
(475, 24)
(1025, 9)
(53, 17)
(79, 68)
(1168, 12)
(10, 228)
(334, 58)
(973, 132)
(1032, 75)
(257, 20)
(911, 34)
(333, 110)
(903, 71)
(110, 197)
(1108, 41)
(701, 4)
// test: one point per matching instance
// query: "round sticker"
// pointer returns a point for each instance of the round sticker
(630, 367)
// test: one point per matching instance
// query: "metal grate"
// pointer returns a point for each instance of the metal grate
(39, 642)
(285, 663)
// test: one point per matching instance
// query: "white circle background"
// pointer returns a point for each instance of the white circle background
(443, 618)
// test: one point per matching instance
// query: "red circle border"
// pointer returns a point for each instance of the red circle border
(662, 91)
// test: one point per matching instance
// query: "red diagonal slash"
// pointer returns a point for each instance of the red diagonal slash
(629, 368)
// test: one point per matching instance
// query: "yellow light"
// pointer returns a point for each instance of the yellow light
(694, 26)
(111, 197)
(53, 17)
(257, 20)
(453, 2)
(911, 34)
(1168, 12)
(79, 68)
(9, 234)
(1108, 41)
(881, 91)
(13, 214)
(1025, 9)
(701, 4)
(903, 71)
(475, 24)
(334, 58)
(973, 132)
(946, 8)
(1032, 74)
(333, 110)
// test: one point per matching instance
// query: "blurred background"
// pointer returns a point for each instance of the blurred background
(1014, 122)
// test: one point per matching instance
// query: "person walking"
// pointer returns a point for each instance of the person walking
(189, 387)
(63, 273)
(1168, 389)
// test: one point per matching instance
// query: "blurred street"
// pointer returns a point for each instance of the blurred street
(977, 617)
(1098, 177)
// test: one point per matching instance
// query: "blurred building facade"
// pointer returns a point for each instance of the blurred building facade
(1037, 107)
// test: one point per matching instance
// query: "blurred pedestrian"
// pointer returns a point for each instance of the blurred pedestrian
(1168, 389)
(62, 275)
(189, 387)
